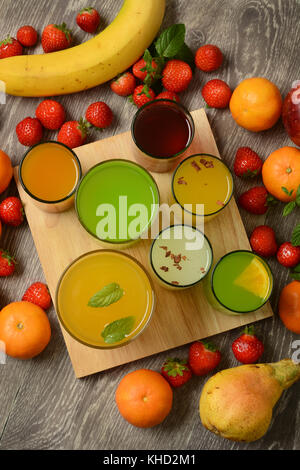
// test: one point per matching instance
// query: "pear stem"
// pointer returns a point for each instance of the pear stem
(286, 372)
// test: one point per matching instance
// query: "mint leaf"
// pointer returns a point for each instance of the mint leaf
(297, 268)
(298, 196)
(286, 191)
(295, 276)
(186, 55)
(289, 208)
(106, 296)
(117, 330)
(170, 41)
(296, 236)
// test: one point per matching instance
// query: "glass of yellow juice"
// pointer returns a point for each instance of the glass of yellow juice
(49, 173)
(202, 186)
(105, 299)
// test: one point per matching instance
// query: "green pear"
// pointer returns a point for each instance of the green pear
(238, 403)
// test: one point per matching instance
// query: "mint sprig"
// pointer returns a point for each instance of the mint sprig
(118, 330)
(106, 296)
(170, 41)
(290, 206)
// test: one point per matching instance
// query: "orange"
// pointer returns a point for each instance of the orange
(289, 306)
(24, 329)
(256, 104)
(282, 170)
(144, 398)
(6, 171)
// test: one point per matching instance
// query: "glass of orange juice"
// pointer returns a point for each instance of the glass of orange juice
(105, 299)
(49, 173)
(202, 186)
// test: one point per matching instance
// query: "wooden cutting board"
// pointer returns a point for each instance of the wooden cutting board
(180, 317)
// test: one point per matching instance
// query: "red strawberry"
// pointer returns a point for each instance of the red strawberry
(216, 93)
(176, 75)
(177, 372)
(29, 131)
(51, 114)
(143, 94)
(288, 255)
(7, 264)
(38, 294)
(139, 65)
(255, 200)
(123, 85)
(168, 95)
(73, 133)
(99, 115)
(263, 241)
(56, 37)
(247, 348)
(27, 36)
(88, 19)
(10, 47)
(208, 58)
(247, 162)
(203, 357)
(11, 211)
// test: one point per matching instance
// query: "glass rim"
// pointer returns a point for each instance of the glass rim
(173, 183)
(117, 242)
(85, 255)
(57, 201)
(169, 283)
(269, 272)
(182, 108)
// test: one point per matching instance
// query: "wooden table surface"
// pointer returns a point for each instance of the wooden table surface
(42, 405)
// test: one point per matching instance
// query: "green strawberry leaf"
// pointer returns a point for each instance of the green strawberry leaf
(118, 330)
(170, 41)
(288, 208)
(106, 296)
(296, 236)
(286, 191)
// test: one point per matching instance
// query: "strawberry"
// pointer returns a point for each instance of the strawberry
(255, 200)
(73, 133)
(203, 357)
(29, 131)
(176, 75)
(27, 36)
(10, 47)
(247, 348)
(88, 19)
(7, 264)
(288, 255)
(168, 95)
(216, 93)
(177, 372)
(143, 94)
(51, 114)
(208, 58)
(263, 241)
(247, 162)
(11, 211)
(99, 115)
(56, 37)
(123, 85)
(141, 64)
(38, 294)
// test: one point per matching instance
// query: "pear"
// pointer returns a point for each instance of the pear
(237, 403)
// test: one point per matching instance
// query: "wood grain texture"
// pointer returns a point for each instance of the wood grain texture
(188, 316)
(42, 404)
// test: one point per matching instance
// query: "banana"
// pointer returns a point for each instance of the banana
(94, 62)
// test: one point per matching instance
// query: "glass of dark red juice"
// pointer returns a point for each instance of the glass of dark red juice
(162, 131)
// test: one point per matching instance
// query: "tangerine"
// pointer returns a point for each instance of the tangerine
(144, 398)
(6, 171)
(281, 173)
(289, 306)
(256, 104)
(24, 329)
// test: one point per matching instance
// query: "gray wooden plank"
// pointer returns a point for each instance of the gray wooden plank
(42, 404)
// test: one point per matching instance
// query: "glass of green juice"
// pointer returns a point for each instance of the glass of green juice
(117, 201)
(240, 282)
